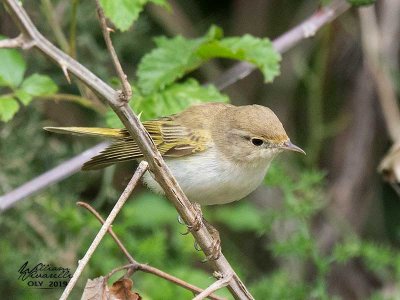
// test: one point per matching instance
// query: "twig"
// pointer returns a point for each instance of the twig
(18, 42)
(54, 22)
(219, 284)
(72, 28)
(289, 39)
(144, 267)
(72, 98)
(55, 175)
(110, 231)
(142, 168)
(371, 39)
(126, 87)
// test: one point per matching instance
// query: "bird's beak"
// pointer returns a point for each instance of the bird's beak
(288, 145)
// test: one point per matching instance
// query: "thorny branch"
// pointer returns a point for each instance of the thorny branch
(126, 87)
(136, 266)
(142, 168)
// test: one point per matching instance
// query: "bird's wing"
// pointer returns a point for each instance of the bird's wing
(170, 137)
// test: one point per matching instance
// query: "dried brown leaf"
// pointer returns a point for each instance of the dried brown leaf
(122, 290)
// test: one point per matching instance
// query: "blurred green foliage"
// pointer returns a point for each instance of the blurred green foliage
(123, 13)
(12, 70)
(272, 246)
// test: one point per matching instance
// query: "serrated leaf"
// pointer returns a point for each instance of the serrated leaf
(173, 58)
(124, 12)
(23, 96)
(170, 61)
(12, 67)
(259, 52)
(39, 85)
(8, 108)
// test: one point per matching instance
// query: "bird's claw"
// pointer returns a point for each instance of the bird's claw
(215, 251)
(196, 246)
(198, 220)
(215, 248)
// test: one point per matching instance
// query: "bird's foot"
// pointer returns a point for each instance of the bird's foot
(198, 220)
(215, 248)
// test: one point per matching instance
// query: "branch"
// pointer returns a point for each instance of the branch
(55, 175)
(289, 39)
(126, 87)
(156, 163)
(144, 267)
(372, 43)
(18, 42)
(219, 284)
(142, 168)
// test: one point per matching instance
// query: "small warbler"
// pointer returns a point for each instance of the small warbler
(218, 153)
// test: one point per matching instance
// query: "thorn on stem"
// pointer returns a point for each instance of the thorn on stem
(64, 68)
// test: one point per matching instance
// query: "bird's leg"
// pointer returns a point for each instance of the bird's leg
(215, 249)
(198, 219)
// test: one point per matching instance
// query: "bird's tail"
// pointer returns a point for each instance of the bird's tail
(93, 131)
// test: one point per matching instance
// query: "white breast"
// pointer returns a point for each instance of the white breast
(207, 182)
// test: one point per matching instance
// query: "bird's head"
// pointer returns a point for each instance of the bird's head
(250, 134)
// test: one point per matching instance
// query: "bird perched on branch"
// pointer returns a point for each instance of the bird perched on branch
(219, 153)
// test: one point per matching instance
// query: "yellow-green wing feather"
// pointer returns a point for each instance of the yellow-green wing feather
(94, 131)
(171, 138)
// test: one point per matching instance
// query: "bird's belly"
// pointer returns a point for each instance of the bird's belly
(208, 179)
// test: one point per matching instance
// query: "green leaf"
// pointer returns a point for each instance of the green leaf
(8, 108)
(173, 58)
(170, 61)
(259, 52)
(23, 96)
(124, 12)
(12, 67)
(39, 85)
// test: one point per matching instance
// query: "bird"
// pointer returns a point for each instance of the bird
(218, 152)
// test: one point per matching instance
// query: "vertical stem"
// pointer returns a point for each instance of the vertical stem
(315, 83)
(72, 28)
(110, 219)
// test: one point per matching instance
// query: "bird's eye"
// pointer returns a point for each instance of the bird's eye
(257, 142)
